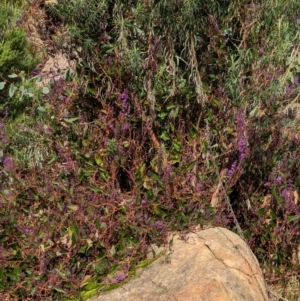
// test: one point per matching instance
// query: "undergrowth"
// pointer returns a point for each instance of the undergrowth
(179, 113)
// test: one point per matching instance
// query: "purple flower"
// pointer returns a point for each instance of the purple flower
(121, 149)
(279, 180)
(288, 89)
(125, 127)
(159, 225)
(232, 169)
(8, 163)
(124, 96)
(111, 127)
(242, 146)
(287, 194)
(118, 278)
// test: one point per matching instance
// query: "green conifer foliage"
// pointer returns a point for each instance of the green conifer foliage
(15, 51)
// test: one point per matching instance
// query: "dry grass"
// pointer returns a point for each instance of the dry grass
(288, 292)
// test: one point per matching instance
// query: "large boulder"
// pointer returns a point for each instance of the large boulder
(209, 265)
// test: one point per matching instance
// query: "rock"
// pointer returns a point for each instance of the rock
(209, 265)
(55, 68)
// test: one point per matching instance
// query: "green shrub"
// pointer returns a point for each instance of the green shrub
(15, 54)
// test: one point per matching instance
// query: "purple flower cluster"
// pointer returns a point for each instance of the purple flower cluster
(124, 99)
(8, 163)
(287, 194)
(241, 135)
(125, 127)
(112, 128)
(279, 180)
(232, 169)
(288, 89)
(3, 140)
(159, 225)
(242, 143)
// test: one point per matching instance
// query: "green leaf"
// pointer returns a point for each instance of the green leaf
(155, 177)
(164, 136)
(113, 250)
(184, 218)
(293, 218)
(162, 114)
(99, 160)
(13, 75)
(158, 210)
(91, 286)
(59, 290)
(45, 90)
(41, 109)
(273, 215)
(28, 94)
(62, 275)
(82, 250)
(170, 107)
(277, 197)
(2, 84)
(189, 166)
(126, 143)
(177, 145)
(95, 189)
(174, 112)
(89, 294)
(71, 120)
(12, 90)
(53, 159)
